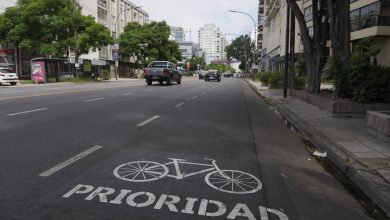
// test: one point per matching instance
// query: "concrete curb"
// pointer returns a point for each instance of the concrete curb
(372, 185)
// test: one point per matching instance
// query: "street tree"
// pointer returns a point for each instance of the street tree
(240, 49)
(148, 42)
(195, 62)
(51, 27)
(327, 15)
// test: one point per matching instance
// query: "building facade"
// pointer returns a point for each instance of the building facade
(113, 14)
(368, 18)
(177, 34)
(212, 42)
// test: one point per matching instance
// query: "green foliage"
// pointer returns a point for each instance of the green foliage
(105, 74)
(51, 27)
(299, 66)
(220, 67)
(239, 47)
(299, 82)
(365, 83)
(149, 42)
(195, 61)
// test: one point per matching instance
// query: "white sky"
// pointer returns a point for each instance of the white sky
(193, 14)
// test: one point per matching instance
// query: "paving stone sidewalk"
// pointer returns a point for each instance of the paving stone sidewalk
(362, 157)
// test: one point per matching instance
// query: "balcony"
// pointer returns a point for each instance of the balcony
(369, 21)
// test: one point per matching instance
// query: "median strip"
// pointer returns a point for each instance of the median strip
(70, 161)
(148, 121)
(26, 112)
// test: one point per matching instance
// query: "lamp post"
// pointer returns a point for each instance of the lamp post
(254, 25)
(116, 38)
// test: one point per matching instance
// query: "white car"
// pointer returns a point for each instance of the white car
(8, 76)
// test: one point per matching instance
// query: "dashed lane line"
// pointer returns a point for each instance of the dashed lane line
(130, 93)
(148, 121)
(179, 105)
(70, 161)
(92, 100)
(26, 112)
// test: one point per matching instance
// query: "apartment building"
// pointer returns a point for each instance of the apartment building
(372, 18)
(368, 18)
(113, 14)
(212, 42)
(177, 34)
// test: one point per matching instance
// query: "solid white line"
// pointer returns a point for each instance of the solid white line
(130, 93)
(91, 100)
(178, 105)
(70, 161)
(25, 112)
(148, 121)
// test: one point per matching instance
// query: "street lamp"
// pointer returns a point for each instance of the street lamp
(254, 25)
(116, 37)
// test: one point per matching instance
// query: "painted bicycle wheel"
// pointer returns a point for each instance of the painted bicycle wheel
(233, 181)
(141, 171)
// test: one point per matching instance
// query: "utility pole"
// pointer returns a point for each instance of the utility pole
(292, 48)
(76, 58)
(286, 59)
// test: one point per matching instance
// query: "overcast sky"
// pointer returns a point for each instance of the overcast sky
(193, 14)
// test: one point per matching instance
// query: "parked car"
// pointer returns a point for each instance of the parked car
(212, 75)
(8, 76)
(162, 71)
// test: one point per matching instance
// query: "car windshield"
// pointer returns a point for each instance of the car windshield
(5, 71)
(159, 65)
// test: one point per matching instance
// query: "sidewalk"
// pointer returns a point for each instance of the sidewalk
(361, 157)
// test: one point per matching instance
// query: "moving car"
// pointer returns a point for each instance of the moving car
(228, 75)
(212, 75)
(8, 76)
(162, 71)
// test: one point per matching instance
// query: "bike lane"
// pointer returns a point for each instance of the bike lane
(104, 192)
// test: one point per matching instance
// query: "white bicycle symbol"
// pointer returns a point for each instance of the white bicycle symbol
(229, 181)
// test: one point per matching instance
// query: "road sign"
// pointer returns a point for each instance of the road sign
(115, 54)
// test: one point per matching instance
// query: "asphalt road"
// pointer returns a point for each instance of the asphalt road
(124, 150)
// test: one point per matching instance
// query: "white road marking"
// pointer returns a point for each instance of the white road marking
(25, 112)
(130, 93)
(195, 97)
(148, 121)
(11, 92)
(204, 93)
(92, 100)
(70, 161)
(149, 90)
(179, 105)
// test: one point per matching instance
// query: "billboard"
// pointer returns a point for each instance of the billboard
(38, 73)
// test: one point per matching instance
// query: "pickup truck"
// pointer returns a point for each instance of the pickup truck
(161, 71)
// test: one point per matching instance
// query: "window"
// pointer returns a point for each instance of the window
(308, 13)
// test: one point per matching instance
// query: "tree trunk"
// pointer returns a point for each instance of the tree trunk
(340, 37)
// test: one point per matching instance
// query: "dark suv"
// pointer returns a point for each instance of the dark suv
(212, 75)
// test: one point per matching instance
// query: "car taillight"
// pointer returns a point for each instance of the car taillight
(144, 73)
(166, 72)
